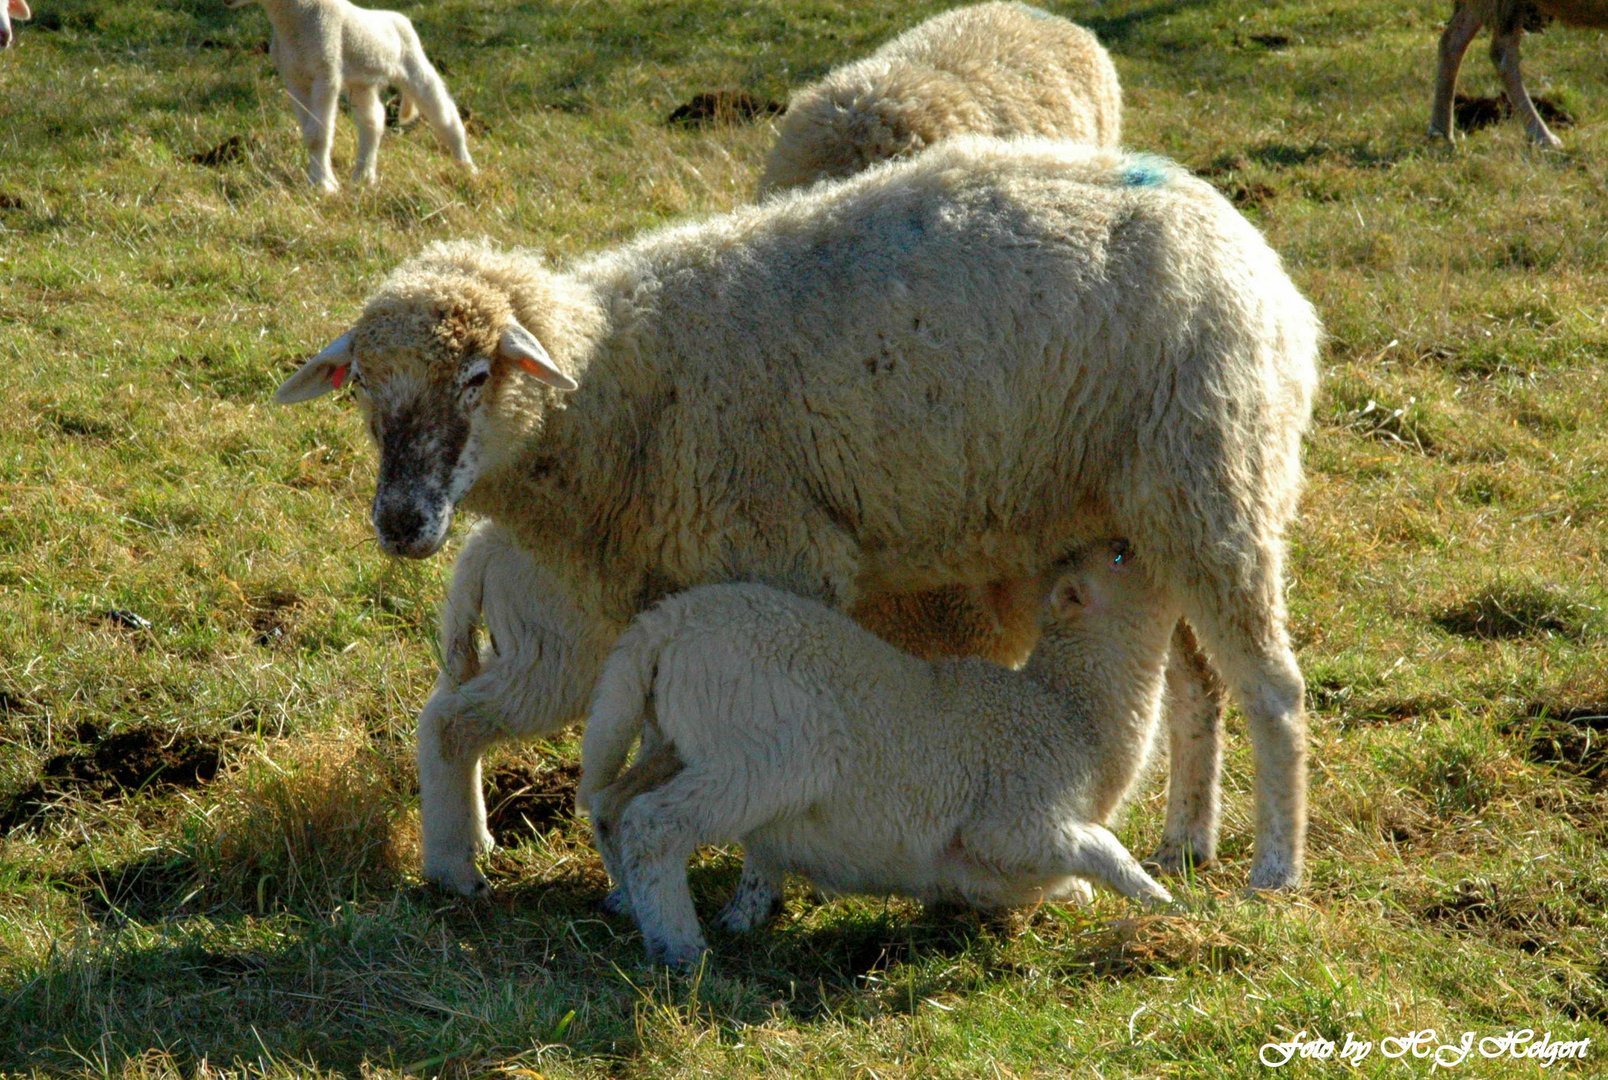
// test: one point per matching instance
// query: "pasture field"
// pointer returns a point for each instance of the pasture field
(209, 672)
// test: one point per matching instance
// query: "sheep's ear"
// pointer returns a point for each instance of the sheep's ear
(19, 10)
(519, 346)
(320, 375)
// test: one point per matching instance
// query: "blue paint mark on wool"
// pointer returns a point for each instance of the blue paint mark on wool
(1147, 170)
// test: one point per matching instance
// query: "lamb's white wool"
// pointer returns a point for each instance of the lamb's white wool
(1002, 69)
(942, 371)
(12, 9)
(1508, 20)
(325, 47)
(829, 753)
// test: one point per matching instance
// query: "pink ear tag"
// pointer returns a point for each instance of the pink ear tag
(532, 367)
(338, 376)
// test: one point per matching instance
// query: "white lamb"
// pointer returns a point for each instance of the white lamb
(942, 371)
(829, 753)
(1003, 69)
(12, 9)
(324, 47)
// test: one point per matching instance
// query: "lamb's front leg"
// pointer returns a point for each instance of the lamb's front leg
(316, 104)
(1505, 55)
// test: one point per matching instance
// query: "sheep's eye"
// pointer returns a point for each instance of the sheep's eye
(477, 380)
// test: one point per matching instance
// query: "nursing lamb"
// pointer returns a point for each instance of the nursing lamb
(941, 371)
(829, 753)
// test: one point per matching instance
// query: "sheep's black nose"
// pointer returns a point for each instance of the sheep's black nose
(403, 529)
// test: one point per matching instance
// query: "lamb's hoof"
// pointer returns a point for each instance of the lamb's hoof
(463, 879)
(749, 909)
(1078, 891)
(617, 902)
(1176, 857)
(681, 955)
(1275, 874)
(1155, 897)
(1545, 140)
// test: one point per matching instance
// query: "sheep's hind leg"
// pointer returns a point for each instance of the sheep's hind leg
(1454, 42)
(1195, 701)
(1505, 55)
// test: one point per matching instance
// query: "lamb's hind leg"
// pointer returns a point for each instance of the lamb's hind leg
(1505, 55)
(1195, 701)
(368, 112)
(1058, 850)
(659, 830)
(1454, 42)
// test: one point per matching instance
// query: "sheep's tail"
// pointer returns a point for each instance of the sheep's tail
(620, 708)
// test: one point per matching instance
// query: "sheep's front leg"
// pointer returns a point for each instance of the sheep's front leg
(536, 689)
(1505, 55)
(1454, 42)
(1195, 702)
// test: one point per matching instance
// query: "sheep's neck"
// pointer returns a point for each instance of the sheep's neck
(573, 488)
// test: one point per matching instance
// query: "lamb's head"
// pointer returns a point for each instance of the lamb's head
(1103, 591)
(448, 379)
(11, 9)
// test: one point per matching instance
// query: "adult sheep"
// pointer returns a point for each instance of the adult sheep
(947, 369)
(1508, 20)
(1002, 69)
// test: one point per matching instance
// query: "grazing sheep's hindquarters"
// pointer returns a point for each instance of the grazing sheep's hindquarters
(942, 371)
(322, 48)
(776, 721)
(1508, 20)
(1003, 69)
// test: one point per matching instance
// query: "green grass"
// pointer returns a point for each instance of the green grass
(1447, 582)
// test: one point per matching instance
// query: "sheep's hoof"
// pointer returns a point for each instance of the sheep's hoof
(464, 880)
(1181, 856)
(617, 902)
(681, 955)
(1274, 873)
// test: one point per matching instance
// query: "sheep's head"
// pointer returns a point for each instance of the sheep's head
(430, 374)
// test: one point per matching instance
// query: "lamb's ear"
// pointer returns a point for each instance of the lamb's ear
(519, 346)
(1068, 596)
(320, 375)
(19, 10)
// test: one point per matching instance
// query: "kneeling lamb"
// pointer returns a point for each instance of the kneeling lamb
(322, 47)
(774, 720)
(991, 69)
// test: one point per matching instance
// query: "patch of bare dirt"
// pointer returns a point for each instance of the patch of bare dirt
(721, 107)
(523, 799)
(145, 758)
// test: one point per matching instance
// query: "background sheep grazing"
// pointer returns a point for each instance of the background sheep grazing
(829, 753)
(322, 47)
(1065, 340)
(992, 69)
(12, 9)
(1508, 20)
